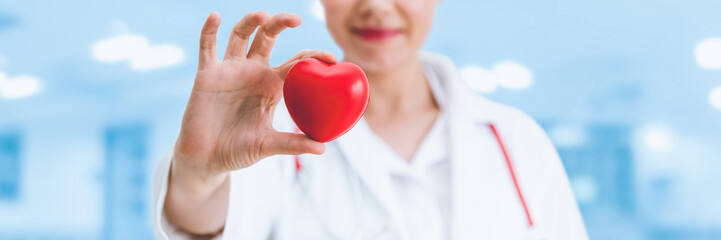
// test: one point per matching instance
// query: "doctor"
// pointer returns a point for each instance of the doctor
(430, 159)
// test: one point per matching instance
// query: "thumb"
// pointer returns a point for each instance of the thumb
(292, 144)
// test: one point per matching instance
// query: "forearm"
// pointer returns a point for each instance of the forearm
(196, 202)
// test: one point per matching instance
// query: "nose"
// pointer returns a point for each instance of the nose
(375, 8)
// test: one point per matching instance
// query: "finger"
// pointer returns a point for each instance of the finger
(322, 55)
(238, 41)
(291, 144)
(268, 33)
(208, 54)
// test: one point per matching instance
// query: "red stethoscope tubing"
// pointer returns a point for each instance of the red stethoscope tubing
(506, 156)
(512, 172)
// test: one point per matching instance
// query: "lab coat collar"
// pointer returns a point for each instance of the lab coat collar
(476, 164)
(472, 148)
(484, 203)
(458, 95)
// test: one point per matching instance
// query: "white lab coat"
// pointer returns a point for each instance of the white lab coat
(267, 200)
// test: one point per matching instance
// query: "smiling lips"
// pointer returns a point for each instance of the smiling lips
(376, 34)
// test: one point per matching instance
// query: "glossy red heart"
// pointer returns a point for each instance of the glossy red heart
(325, 100)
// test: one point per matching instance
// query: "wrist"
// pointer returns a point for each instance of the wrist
(194, 177)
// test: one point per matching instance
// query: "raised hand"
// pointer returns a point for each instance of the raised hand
(227, 120)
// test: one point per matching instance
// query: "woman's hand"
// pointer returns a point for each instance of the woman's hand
(227, 120)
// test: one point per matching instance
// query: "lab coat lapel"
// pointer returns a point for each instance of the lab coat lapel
(467, 147)
(484, 202)
(471, 155)
(372, 174)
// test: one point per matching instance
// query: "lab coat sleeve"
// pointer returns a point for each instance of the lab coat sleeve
(255, 193)
(253, 204)
(544, 181)
(163, 229)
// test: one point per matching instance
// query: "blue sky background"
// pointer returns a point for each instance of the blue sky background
(616, 83)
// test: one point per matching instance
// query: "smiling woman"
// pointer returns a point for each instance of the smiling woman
(628, 91)
(429, 158)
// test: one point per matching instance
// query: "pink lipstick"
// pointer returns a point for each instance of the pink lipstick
(376, 34)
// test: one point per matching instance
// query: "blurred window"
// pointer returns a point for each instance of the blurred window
(9, 165)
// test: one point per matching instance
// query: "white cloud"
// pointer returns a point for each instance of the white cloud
(119, 48)
(479, 78)
(585, 189)
(656, 137)
(509, 75)
(708, 53)
(715, 98)
(19, 86)
(513, 75)
(157, 57)
(317, 11)
(137, 50)
(568, 135)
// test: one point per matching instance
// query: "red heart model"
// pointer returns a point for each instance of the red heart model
(325, 100)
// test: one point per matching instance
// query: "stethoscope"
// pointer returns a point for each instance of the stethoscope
(304, 179)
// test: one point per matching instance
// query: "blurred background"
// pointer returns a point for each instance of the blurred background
(92, 94)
